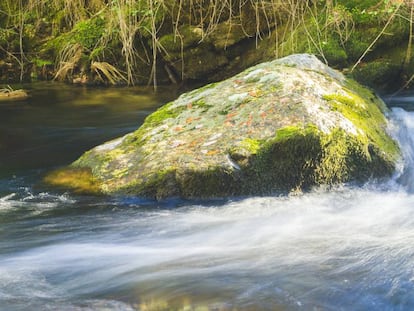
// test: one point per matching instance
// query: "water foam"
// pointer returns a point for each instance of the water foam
(348, 248)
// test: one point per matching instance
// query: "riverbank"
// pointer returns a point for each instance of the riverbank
(165, 42)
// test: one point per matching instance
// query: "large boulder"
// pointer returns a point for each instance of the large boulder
(279, 126)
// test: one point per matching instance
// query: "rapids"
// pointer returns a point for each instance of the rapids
(350, 248)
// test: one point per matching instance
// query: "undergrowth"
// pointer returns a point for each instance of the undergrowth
(124, 35)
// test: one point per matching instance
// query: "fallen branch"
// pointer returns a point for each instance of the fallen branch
(9, 94)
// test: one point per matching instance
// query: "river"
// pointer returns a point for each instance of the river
(344, 249)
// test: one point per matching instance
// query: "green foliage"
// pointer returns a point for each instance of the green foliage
(6, 35)
(359, 42)
(381, 73)
(371, 11)
(334, 53)
(88, 32)
(97, 52)
(39, 62)
(359, 4)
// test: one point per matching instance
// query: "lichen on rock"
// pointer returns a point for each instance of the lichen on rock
(284, 125)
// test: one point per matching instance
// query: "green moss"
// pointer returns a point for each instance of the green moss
(355, 47)
(88, 32)
(295, 158)
(163, 113)
(157, 185)
(301, 157)
(200, 62)
(341, 154)
(155, 119)
(186, 37)
(342, 33)
(251, 145)
(365, 94)
(79, 180)
(287, 132)
(288, 160)
(88, 159)
(351, 158)
(214, 182)
(136, 138)
(381, 73)
(369, 22)
(201, 103)
(247, 148)
(358, 4)
(366, 114)
(200, 90)
(334, 53)
(226, 34)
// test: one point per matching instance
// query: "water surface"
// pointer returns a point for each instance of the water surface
(343, 249)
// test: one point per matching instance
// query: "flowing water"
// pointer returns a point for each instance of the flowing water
(343, 249)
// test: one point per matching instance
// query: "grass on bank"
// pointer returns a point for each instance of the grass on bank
(125, 34)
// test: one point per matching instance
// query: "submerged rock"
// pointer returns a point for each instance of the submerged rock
(279, 126)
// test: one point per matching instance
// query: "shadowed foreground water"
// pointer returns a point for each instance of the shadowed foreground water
(343, 249)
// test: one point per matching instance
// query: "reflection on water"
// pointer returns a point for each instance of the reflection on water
(57, 123)
(342, 249)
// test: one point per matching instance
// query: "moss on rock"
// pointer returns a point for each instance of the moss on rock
(285, 162)
(279, 126)
(197, 62)
(79, 180)
(186, 37)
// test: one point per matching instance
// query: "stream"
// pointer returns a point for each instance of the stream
(349, 248)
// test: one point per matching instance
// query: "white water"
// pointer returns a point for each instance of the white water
(343, 249)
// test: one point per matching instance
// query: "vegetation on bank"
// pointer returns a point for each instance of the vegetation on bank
(164, 41)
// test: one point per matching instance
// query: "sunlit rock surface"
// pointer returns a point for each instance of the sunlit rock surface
(279, 126)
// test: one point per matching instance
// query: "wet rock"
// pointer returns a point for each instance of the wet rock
(279, 126)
